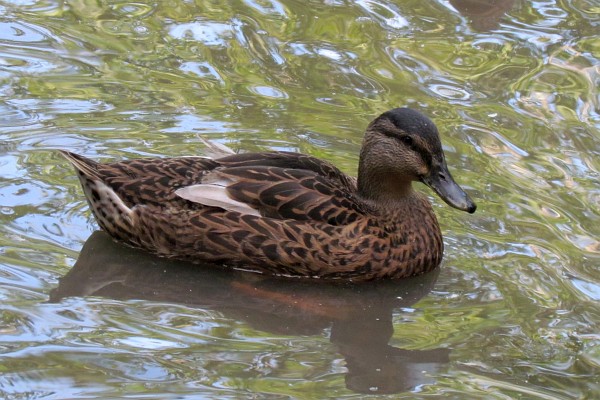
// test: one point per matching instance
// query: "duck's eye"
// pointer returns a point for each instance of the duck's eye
(407, 140)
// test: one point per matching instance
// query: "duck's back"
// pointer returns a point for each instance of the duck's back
(155, 180)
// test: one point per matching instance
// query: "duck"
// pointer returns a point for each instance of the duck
(286, 213)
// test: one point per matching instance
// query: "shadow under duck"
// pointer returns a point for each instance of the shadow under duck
(286, 213)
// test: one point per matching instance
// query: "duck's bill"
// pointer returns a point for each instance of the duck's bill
(440, 180)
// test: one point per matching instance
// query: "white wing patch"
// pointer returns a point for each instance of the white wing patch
(214, 195)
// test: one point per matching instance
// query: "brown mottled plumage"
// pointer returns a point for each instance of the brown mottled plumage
(286, 213)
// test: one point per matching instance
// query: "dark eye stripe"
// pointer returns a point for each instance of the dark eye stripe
(389, 133)
(414, 145)
(407, 140)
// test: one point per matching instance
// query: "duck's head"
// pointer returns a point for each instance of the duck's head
(401, 146)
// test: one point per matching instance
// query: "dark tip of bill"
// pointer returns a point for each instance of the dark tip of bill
(471, 209)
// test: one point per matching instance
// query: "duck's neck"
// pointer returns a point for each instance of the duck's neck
(380, 186)
(386, 193)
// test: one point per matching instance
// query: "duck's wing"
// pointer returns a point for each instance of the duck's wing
(276, 192)
(291, 160)
(282, 185)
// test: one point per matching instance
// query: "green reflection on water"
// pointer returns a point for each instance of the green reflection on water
(513, 87)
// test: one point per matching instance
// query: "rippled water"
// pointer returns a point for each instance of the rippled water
(513, 85)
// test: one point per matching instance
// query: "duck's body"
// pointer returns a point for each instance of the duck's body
(285, 213)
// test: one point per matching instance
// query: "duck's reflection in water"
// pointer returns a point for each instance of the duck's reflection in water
(484, 15)
(360, 316)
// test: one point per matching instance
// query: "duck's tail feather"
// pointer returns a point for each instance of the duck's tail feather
(83, 165)
(112, 214)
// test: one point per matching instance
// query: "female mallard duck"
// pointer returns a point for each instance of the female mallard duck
(286, 213)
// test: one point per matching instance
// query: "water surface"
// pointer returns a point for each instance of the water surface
(512, 85)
